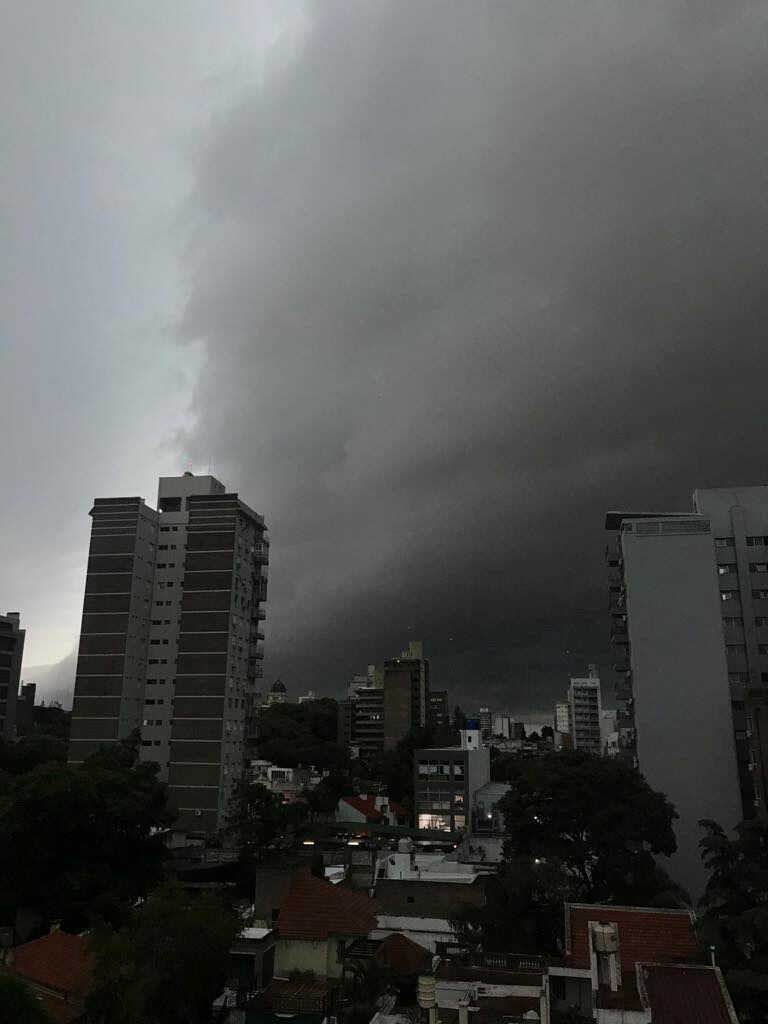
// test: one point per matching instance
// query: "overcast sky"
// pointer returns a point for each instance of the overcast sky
(431, 284)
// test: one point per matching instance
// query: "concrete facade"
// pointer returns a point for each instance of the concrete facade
(445, 780)
(170, 642)
(739, 522)
(665, 603)
(11, 655)
(585, 711)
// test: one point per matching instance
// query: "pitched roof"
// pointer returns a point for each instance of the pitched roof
(645, 934)
(365, 806)
(58, 961)
(696, 995)
(397, 809)
(406, 957)
(316, 909)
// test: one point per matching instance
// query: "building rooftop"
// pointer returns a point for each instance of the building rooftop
(58, 961)
(404, 957)
(695, 995)
(613, 520)
(315, 909)
(645, 934)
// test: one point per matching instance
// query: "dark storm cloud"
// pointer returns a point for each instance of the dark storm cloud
(467, 275)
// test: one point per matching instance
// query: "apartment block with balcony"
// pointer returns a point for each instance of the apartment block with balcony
(11, 654)
(171, 638)
(585, 709)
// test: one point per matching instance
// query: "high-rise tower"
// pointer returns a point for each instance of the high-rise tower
(170, 642)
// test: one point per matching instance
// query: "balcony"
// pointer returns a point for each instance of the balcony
(621, 665)
(260, 614)
(256, 652)
(254, 671)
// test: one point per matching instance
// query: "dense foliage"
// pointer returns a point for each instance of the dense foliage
(18, 1005)
(302, 734)
(578, 827)
(166, 964)
(735, 912)
(81, 843)
(260, 820)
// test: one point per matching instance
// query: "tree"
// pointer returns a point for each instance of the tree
(547, 733)
(599, 818)
(258, 818)
(366, 983)
(394, 768)
(523, 911)
(18, 1005)
(458, 719)
(167, 963)
(24, 754)
(735, 912)
(579, 828)
(307, 734)
(82, 843)
(327, 793)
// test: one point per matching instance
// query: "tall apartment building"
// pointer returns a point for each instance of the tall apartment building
(170, 640)
(485, 718)
(11, 654)
(585, 710)
(670, 657)
(406, 693)
(382, 706)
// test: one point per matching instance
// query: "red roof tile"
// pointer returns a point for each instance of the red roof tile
(406, 957)
(695, 995)
(645, 934)
(58, 961)
(397, 809)
(315, 909)
(364, 805)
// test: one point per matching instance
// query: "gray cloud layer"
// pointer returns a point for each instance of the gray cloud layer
(463, 276)
(466, 276)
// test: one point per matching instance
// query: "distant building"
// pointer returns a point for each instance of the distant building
(384, 705)
(485, 718)
(666, 599)
(585, 709)
(609, 732)
(171, 638)
(406, 694)
(563, 718)
(439, 717)
(445, 779)
(11, 654)
(308, 697)
(25, 709)
(278, 694)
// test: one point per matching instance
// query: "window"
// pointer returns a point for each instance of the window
(154, 643)
(737, 705)
(730, 595)
(760, 595)
(340, 947)
(762, 648)
(410, 899)
(163, 547)
(724, 542)
(733, 620)
(738, 677)
(162, 565)
(761, 620)
(726, 568)
(758, 566)
(736, 648)
(756, 542)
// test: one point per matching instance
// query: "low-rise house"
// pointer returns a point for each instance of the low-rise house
(58, 970)
(427, 932)
(365, 809)
(317, 924)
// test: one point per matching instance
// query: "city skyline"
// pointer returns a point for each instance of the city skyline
(466, 282)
